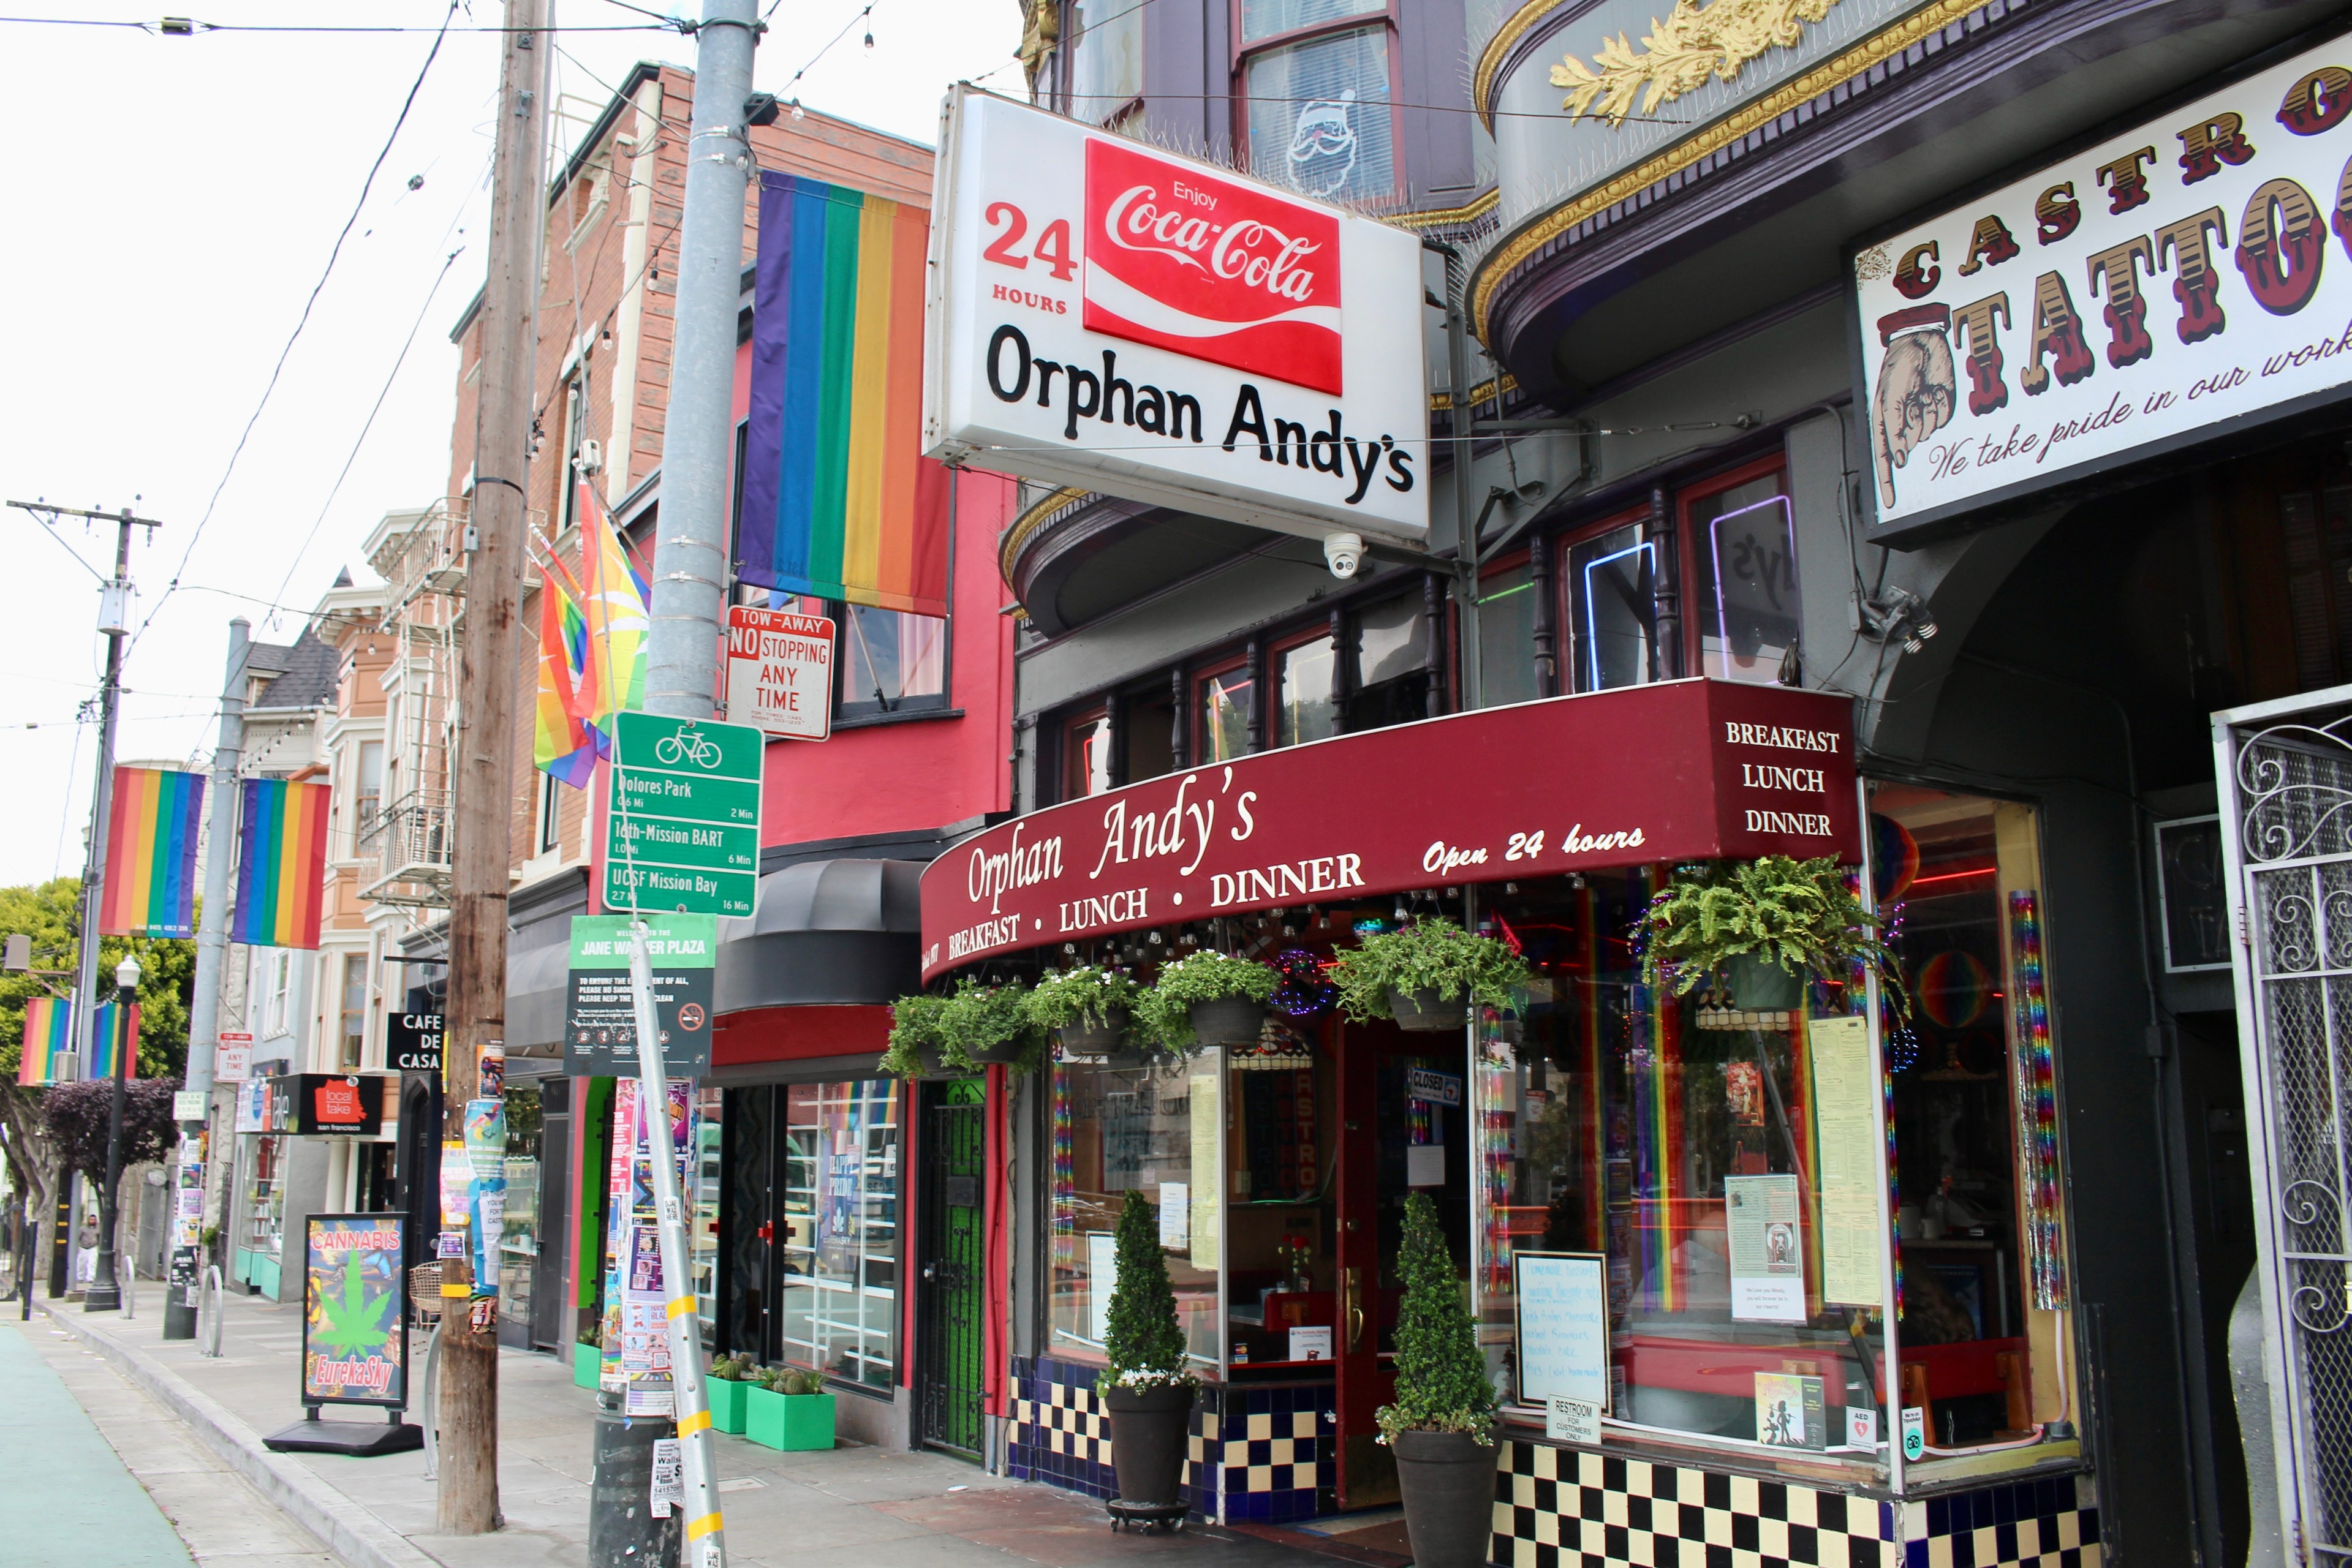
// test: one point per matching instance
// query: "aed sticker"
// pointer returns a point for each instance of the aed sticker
(1915, 1432)
(1861, 1427)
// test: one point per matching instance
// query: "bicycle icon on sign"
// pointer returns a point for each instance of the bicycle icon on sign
(689, 745)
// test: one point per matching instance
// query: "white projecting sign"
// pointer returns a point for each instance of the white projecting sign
(780, 671)
(1108, 314)
(2164, 281)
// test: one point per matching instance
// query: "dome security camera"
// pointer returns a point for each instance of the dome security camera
(1344, 553)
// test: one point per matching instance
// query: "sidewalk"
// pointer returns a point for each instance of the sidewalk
(854, 1507)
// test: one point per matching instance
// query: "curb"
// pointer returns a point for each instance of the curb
(340, 1524)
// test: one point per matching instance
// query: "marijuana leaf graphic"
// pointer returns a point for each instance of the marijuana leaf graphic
(352, 1324)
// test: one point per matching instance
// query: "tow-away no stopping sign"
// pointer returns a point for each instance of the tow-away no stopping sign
(780, 671)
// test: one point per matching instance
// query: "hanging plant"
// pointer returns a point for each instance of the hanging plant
(980, 1025)
(1427, 961)
(916, 1048)
(1197, 979)
(1802, 917)
(1083, 996)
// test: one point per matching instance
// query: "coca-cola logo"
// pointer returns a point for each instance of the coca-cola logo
(1212, 269)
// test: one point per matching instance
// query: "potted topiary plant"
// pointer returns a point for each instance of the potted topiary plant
(1442, 1425)
(1086, 1008)
(727, 1383)
(1760, 929)
(1208, 999)
(1145, 1383)
(1426, 974)
(786, 1407)
(982, 1025)
(915, 1045)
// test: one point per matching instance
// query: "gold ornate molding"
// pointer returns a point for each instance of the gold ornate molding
(1490, 59)
(1028, 523)
(1540, 230)
(1682, 52)
(1478, 207)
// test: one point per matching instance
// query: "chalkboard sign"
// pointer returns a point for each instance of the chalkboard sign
(1560, 1328)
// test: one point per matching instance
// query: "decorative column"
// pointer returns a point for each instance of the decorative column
(1539, 580)
(1666, 638)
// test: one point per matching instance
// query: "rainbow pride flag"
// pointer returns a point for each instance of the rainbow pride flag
(561, 744)
(150, 853)
(48, 1035)
(111, 1051)
(281, 864)
(838, 502)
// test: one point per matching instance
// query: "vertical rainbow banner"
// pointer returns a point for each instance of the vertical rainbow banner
(150, 853)
(112, 1050)
(48, 1034)
(837, 500)
(281, 865)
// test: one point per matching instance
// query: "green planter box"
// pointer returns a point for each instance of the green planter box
(727, 1402)
(586, 1360)
(791, 1422)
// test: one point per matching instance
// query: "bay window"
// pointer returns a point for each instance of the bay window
(1314, 78)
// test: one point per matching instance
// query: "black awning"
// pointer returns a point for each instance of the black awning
(826, 932)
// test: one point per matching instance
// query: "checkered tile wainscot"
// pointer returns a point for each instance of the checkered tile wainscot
(1565, 1508)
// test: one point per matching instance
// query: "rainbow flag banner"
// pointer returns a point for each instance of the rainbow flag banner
(838, 502)
(112, 1051)
(281, 864)
(150, 853)
(48, 1035)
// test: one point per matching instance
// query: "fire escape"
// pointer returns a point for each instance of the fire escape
(423, 561)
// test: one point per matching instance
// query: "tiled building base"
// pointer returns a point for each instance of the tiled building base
(1565, 1508)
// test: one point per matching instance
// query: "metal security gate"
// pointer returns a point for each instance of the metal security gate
(2285, 772)
(952, 1270)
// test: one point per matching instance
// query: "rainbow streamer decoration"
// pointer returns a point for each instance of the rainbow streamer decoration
(48, 1035)
(281, 866)
(113, 1051)
(2037, 1108)
(1064, 1177)
(150, 853)
(838, 502)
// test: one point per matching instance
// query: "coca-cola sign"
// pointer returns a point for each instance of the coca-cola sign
(1683, 770)
(1108, 315)
(1204, 266)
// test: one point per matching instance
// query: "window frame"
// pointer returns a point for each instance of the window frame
(1695, 617)
(1240, 54)
(1065, 732)
(1564, 592)
(1275, 737)
(1113, 119)
(848, 710)
(1197, 679)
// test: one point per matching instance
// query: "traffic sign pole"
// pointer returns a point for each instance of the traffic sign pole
(706, 1529)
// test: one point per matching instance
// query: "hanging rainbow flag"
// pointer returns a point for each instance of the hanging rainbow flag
(281, 865)
(838, 502)
(614, 610)
(561, 744)
(150, 853)
(48, 1035)
(111, 1050)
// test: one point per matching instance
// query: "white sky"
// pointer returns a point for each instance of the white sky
(176, 199)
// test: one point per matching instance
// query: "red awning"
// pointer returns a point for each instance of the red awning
(1696, 769)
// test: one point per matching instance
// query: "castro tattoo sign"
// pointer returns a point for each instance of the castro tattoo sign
(2163, 283)
(1107, 315)
(1681, 771)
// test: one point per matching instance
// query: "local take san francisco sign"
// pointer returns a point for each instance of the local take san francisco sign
(1105, 315)
(2193, 272)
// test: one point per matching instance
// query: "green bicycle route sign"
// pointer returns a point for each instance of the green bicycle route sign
(682, 831)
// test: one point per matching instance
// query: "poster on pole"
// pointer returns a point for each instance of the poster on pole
(354, 1335)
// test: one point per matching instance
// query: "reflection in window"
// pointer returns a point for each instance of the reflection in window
(1743, 541)
(1152, 1130)
(1309, 707)
(840, 1228)
(1106, 58)
(1086, 757)
(1392, 665)
(888, 655)
(1506, 638)
(1224, 715)
(518, 1240)
(1318, 115)
(1265, 18)
(1613, 611)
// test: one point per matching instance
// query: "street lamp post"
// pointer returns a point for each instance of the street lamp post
(105, 1292)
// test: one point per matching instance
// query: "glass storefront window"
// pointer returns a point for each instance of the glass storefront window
(838, 1231)
(265, 1196)
(518, 1240)
(707, 1188)
(1309, 708)
(1152, 1128)
(1225, 699)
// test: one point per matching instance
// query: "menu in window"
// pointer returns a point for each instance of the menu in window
(1102, 1278)
(1205, 1186)
(1561, 1325)
(1845, 1122)
(1768, 1248)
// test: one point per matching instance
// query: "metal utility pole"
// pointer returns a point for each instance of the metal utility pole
(698, 438)
(114, 621)
(186, 1269)
(483, 786)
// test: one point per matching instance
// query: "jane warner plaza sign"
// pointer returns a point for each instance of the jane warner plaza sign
(1681, 771)
(2160, 286)
(1107, 315)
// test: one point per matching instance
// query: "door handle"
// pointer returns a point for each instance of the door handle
(1355, 1308)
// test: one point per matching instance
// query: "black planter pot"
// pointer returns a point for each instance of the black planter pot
(1448, 1480)
(1150, 1433)
(1089, 1038)
(1229, 1022)
(1005, 1054)
(1426, 1012)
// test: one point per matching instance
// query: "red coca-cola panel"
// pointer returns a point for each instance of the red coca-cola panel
(1204, 267)
(1696, 769)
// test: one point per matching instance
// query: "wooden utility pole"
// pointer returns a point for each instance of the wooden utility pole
(490, 652)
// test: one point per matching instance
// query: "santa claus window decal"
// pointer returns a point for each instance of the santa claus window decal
(1316, 96)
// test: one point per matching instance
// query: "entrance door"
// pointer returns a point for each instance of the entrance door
(950, 1262)
(2287, 814)
(549, 1310)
